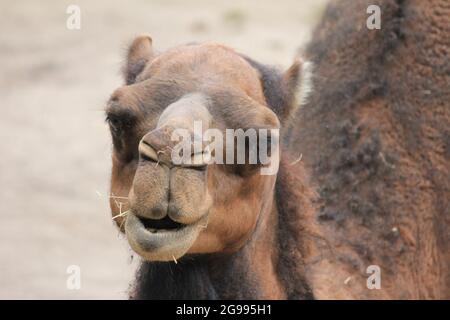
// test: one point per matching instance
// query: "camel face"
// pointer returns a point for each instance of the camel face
(174, 209)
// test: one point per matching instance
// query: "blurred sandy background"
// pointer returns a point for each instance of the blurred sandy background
(55, 146)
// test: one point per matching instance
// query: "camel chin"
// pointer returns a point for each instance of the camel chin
(161, 244)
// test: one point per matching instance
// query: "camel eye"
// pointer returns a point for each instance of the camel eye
(118, 125)
(115, 124)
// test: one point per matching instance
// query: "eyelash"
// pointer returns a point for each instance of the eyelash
(121, 128)
(115, 124)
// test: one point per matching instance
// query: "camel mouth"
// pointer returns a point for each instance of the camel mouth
(161, 240)
(161, 225)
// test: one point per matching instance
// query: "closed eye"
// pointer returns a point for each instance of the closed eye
(120, 119)
(114, 124)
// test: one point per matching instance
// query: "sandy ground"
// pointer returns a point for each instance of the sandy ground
(55, 147)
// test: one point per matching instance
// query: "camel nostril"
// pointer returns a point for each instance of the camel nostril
(147, 151)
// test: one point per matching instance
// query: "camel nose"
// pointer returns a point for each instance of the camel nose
(178, 137)
(167, 146)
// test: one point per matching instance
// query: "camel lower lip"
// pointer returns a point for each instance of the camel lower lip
(160, 244)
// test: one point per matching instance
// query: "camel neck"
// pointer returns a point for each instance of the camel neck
(251, 272)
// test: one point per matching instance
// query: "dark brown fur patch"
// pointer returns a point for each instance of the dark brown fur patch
(374, 135)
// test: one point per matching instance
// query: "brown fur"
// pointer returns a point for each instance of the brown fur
(374, 139)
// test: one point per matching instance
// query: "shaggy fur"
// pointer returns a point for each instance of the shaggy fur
(375, 139)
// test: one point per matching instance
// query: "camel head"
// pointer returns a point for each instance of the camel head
(169, 208)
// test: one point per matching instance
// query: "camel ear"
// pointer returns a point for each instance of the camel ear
(139, 53)
(285, 91)
(297, 84)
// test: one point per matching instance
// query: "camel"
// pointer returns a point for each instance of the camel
(363, 177)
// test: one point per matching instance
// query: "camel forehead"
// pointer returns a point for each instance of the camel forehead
(200, 56)
(206, 62)
(213, 71)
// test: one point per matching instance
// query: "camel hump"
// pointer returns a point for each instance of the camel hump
(376, 134)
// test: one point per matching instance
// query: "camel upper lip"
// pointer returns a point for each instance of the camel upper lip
(161, 244)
